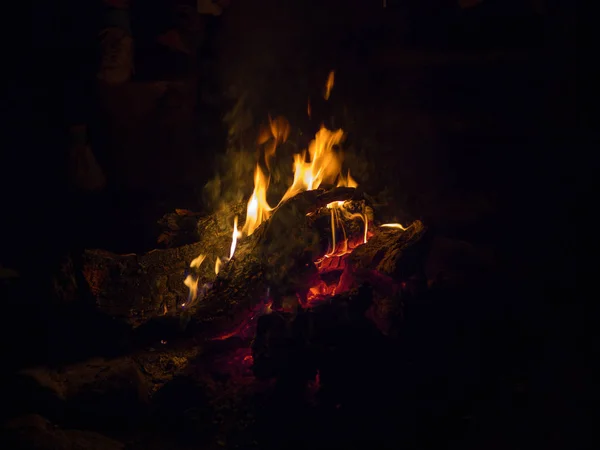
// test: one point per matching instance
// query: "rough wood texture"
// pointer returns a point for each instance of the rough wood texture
(138, 287)
(392, 251)
(276, 261)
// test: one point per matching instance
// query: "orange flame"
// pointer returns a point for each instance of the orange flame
(347, 181)
(192, 282)
(197, 261)
(329, 85)
(320, 164)
(323, 166)
(258, 210)
(192, 285)
(365, 220)
(280, 130)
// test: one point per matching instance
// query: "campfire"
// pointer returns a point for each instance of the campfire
(319, 245)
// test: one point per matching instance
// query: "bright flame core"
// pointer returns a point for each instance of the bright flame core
(258, 210)
(323, 165)
(236, 234)
(393, 225)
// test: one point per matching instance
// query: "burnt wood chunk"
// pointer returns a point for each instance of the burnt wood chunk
(276, 261)
(394, 252)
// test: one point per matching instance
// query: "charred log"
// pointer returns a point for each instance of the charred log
(298, 345)
(139, 287)
(276, 261)
(396, 253)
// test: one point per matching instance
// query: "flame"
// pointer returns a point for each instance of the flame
(329, 84)
(191, 281)
(319, 165)
(197, 261)
(347, 181)
(393, 225)
(236, 234)
(324, 164)
(365, 220)
(280, 130)
(258, 210)
(264, 134)
(192, 285)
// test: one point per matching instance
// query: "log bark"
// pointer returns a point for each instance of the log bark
(137, 288)
(276, 260)
(388, 258)
(393, 252)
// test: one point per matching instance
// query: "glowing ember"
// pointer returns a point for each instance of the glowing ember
(218, 263)
(245, 328)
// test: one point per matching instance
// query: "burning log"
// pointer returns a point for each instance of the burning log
(312, 245)
(137, 288)
(394, 252)
(274, 264)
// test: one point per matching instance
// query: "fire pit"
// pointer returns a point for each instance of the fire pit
(320, 243)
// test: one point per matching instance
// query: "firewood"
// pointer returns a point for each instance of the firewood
(392, 251)
(276, 260)
(137, 288)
